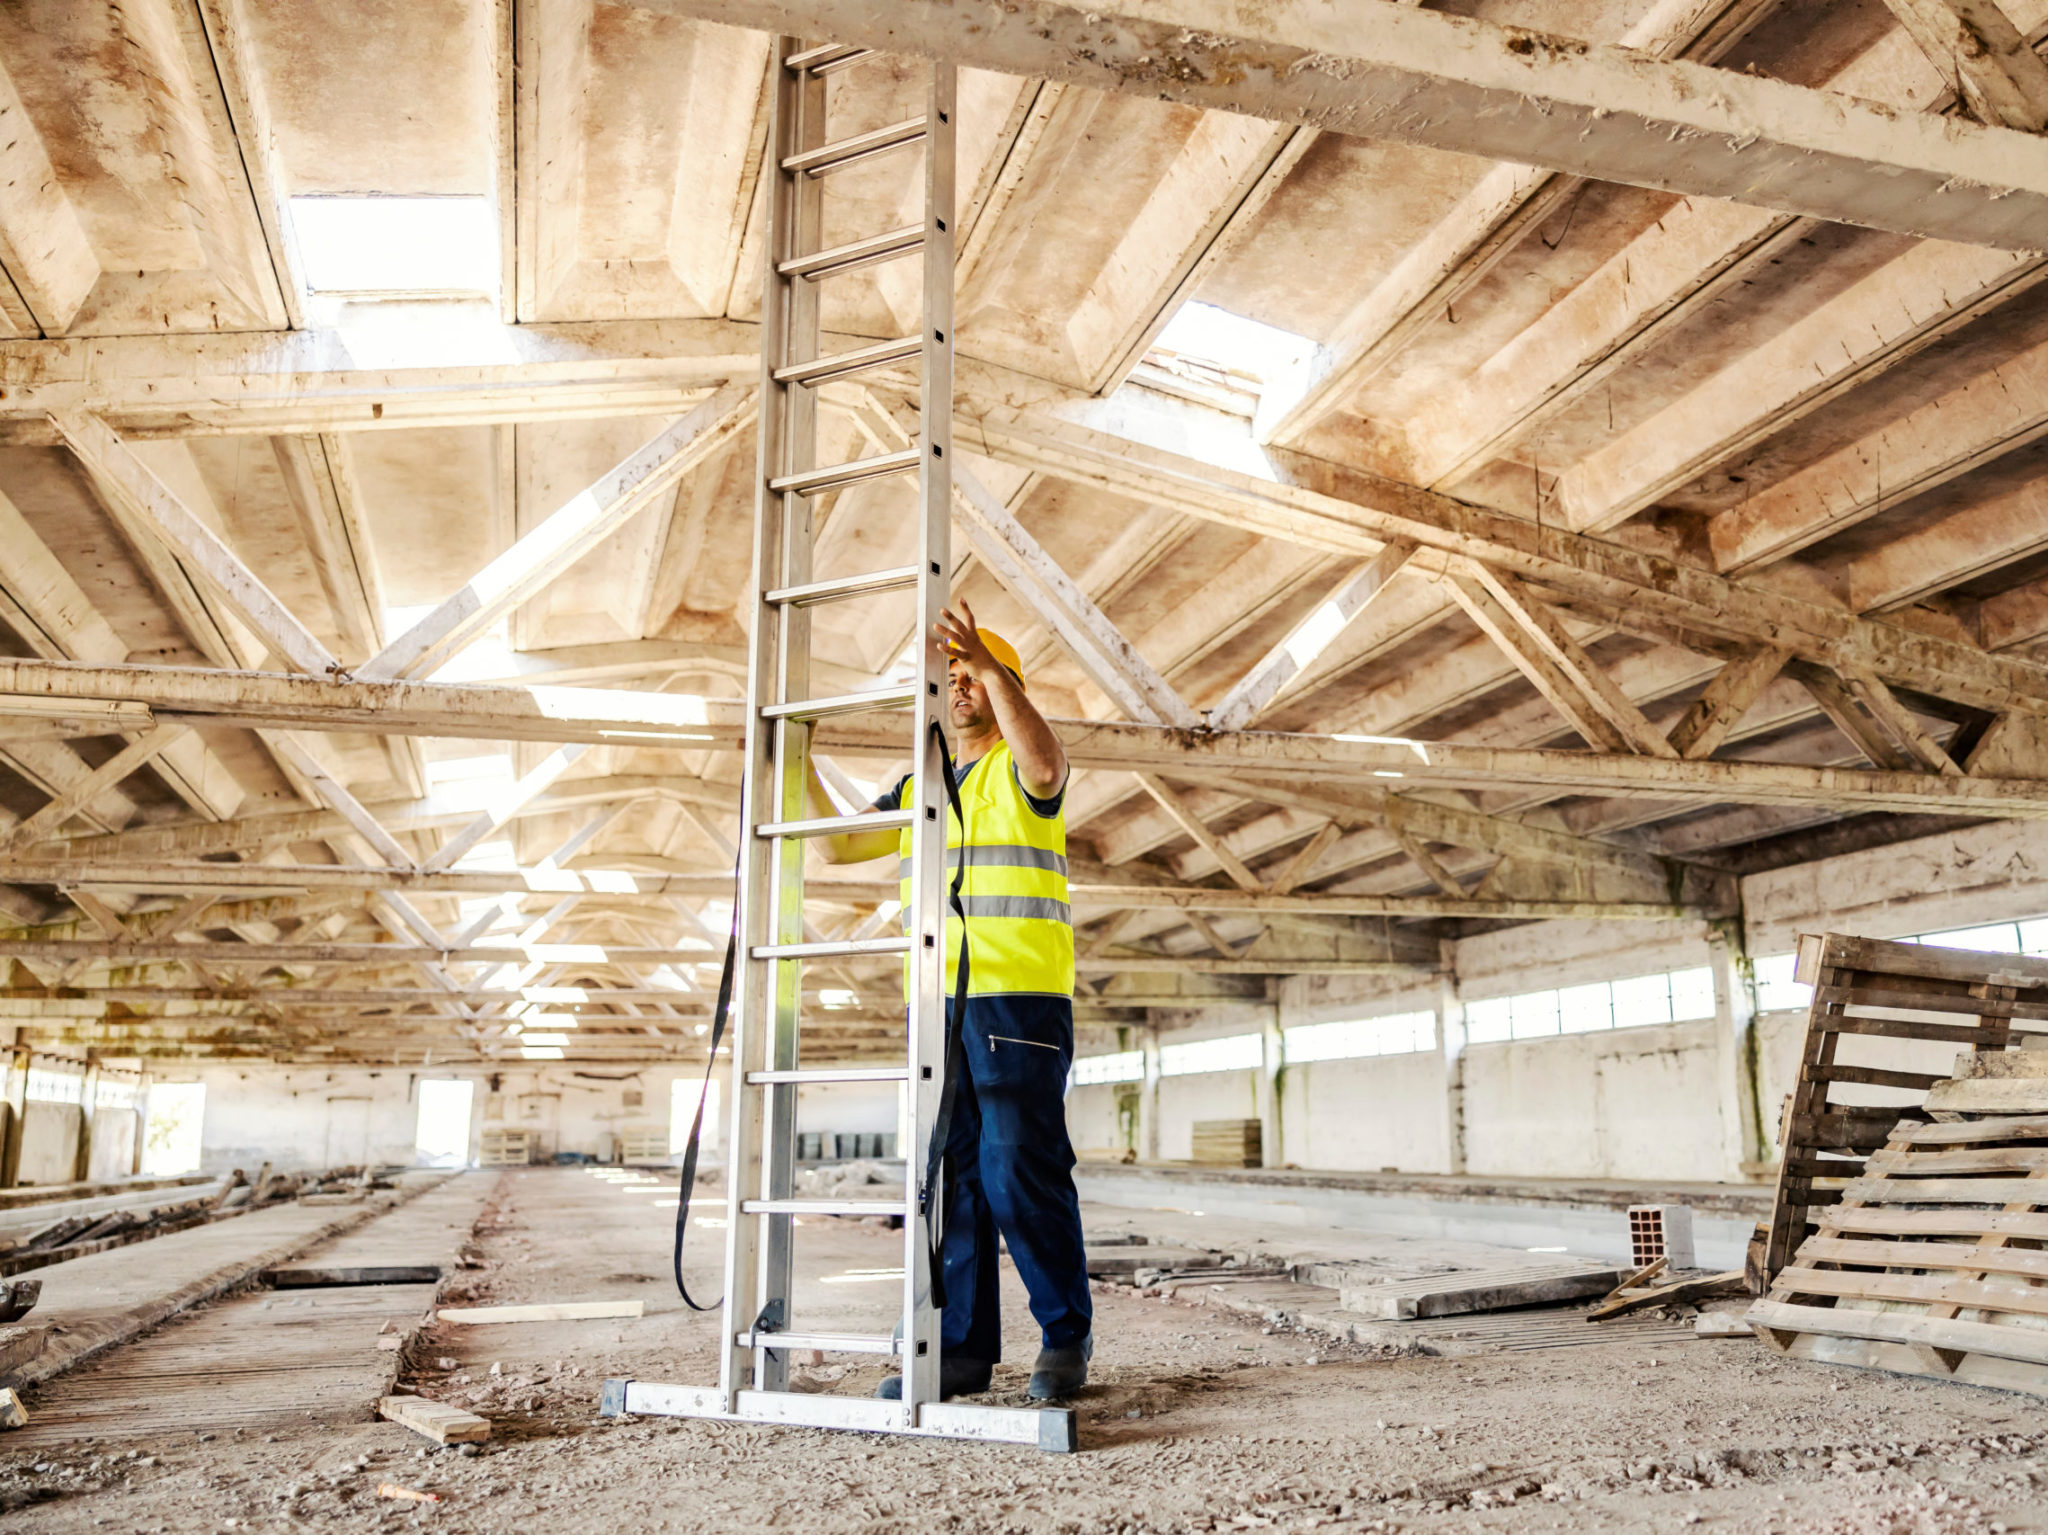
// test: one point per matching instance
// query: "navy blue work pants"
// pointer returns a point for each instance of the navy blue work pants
(1010, 1169)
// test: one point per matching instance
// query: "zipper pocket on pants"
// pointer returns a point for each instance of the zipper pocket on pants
(1008, 1039)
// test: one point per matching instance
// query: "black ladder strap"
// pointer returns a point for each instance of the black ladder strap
(930, 1207)
(718, 1022)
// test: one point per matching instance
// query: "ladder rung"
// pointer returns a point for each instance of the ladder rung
(814, 1075)
(824, 1342)
(837, 365)
(838, 825)
(858, 253)
(840, 588)
(839, 948)
(824, 1207)
(835, 156)
(815, 482)
(843, 703)
(826, 56)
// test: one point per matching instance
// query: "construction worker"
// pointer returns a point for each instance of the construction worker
(1009, 1164)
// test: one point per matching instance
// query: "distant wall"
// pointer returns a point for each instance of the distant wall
(1383, 1111)
(303, 1117)
(1642, 1103)
(49, 1142)
(1631, 1103)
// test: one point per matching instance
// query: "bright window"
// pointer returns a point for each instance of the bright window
(393, 247)
(171, 1131)
(1234, 1052)
(1401, 1034)
(1776, 991)
(56, 1084)
(1222, 339)
(1122, 1066)
(1533, 1014)
(1488, 1022)
(1674, 996)
(1998, 938)
(117, 1092)
(442, 1134)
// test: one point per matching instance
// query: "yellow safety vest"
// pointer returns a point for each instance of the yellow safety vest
(1020, 927)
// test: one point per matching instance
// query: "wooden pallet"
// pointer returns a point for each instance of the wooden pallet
(644, 1143)
(1228, 1143)
(1913, 1269)
(1864, 990)
(505, 1148)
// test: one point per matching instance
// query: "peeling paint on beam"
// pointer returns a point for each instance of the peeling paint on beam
(665, 719)
(1475, 88)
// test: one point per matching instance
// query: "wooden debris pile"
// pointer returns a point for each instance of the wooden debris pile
(1927, 1260)
(79, 1236)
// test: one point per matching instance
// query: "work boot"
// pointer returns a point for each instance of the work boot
(957, 1377)
(1061, 1372)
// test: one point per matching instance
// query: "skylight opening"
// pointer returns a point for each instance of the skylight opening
(492, 857)
(1213, 357)
(493, 767)
(397, 247)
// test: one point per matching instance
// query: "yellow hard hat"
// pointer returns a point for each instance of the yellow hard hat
(1004, 652)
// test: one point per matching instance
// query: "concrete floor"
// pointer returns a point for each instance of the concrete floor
(1199, 1419)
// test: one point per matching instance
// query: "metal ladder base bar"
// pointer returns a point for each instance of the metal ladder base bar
(824, 1342)
(1048, 1428)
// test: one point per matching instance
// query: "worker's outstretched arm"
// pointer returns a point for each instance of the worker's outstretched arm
(1041, 760)
(847, 847)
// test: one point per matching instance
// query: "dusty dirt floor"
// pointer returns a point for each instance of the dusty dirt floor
(1197, 1419)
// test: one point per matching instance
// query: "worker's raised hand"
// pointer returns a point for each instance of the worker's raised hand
(960, 636)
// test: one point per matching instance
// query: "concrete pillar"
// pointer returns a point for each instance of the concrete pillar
(1450, 1043)
(1148, 1113)
(12, 1122)
(1735, 1033)
(88, 1094)
(141, 1124)
(1271, 1128)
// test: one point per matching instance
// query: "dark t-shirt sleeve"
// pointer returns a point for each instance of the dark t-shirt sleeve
(892, 798)
(1046, 808)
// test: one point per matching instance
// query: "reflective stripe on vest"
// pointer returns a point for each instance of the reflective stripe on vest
(1020, 927)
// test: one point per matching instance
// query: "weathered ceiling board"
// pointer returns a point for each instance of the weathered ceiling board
(1657, 504)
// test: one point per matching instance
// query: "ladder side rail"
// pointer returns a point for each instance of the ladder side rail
(744, 1247)
(803, 201)
(928, 889)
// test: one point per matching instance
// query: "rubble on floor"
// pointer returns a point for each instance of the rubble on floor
(77, 1236)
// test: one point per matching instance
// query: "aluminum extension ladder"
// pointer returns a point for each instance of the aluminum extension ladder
(761, 1326)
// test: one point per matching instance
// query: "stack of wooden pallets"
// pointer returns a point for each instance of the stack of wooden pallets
(505, 1148)
(1926, 1261)
(1228, 1143)
(644, 1143)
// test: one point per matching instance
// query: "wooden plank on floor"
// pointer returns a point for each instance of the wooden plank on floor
(2027, 1345)
(1479, 1290)
(559, 1311)
(437, 1420)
